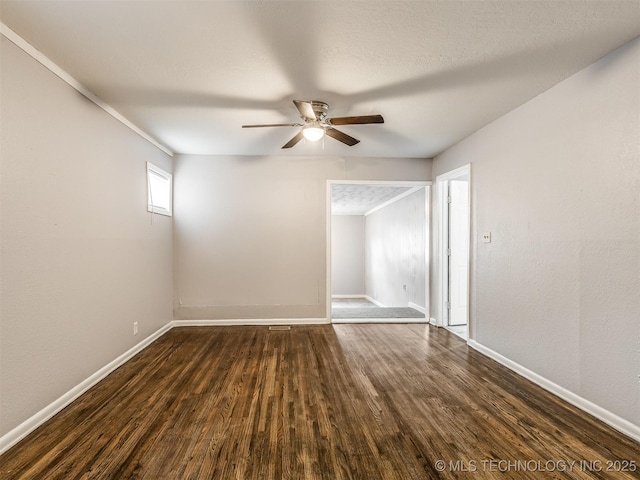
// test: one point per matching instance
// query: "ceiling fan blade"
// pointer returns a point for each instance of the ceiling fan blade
(273, 125)
(294, 140)
(305, 109)
(357, 120)
(341, 137)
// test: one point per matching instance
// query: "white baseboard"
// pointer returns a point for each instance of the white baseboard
(417, 307)
(600, 413)
(25, 428)
(348, 296)
(249, 321)
(375, 302)
(379, 320)
(433, 321)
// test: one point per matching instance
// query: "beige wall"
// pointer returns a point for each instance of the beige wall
(80, 257)
(250, 232)
(557, 184)
(395, 252)
(347, 255)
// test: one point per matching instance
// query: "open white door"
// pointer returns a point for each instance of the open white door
(453, 250)
(458, 251)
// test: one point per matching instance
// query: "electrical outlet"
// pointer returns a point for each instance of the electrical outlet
(404, 287)
(486, 237)
(135, 328)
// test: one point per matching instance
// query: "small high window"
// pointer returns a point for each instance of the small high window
(159, 190)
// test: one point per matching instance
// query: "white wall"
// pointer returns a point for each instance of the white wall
(80, 258)
(250, 232)
(395, 252)
(347, 255)
(557, 183)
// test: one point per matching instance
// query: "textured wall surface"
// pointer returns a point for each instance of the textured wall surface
(250, 232)
(557, 184)
(347, 255)
(80, 259)
(395, 252)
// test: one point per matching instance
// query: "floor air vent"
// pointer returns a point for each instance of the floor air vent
(280, 327)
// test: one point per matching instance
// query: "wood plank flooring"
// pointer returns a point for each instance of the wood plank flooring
(318, 402)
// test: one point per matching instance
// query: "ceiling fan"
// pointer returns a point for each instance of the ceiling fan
(317, 124)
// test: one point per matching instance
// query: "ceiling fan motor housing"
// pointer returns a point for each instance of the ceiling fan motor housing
(320, 109)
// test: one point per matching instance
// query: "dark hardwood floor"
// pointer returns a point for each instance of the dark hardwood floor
(318, 402)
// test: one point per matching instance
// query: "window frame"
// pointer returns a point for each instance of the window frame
(155, 170)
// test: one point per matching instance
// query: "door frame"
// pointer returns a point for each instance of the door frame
(427, 254)
(442, 238)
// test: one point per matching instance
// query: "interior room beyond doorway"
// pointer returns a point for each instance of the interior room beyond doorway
(378, 251)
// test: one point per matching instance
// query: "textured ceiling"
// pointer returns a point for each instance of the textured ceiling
(357, 199)
(190, 73)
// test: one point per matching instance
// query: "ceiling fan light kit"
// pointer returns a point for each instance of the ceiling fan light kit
(313, 133)
(317, 124)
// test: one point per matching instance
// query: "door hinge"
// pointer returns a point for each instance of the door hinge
(448, 252)
(449, 199)
(447, 305)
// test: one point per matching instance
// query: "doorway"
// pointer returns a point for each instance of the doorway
(390, 223)
(454, 247)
